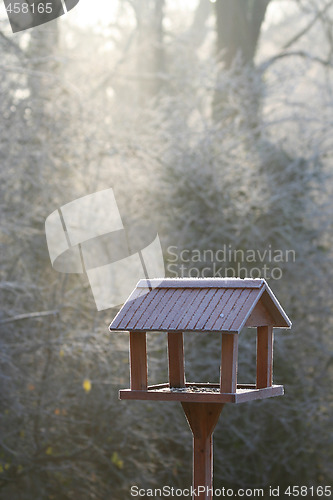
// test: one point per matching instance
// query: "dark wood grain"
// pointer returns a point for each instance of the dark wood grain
(162, 392)
(176, 359)
(229, 362)
(264, 356)
(138, 361)
(202, 419)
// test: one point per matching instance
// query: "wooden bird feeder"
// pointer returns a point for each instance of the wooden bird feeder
(213, 305)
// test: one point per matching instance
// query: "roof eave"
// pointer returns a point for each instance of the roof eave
(285, 321)
(136, 330)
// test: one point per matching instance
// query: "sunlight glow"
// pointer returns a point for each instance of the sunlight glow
(100, 12)
(277, 10)
(104, 12)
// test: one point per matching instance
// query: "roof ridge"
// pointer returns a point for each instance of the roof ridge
(201, 283)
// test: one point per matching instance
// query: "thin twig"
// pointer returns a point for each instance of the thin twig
(29, 316)
(300, 53)
(299, 35)
(12, 44)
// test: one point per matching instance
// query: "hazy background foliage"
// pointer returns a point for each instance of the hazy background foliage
(215, 120)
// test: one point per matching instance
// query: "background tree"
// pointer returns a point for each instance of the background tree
(238, 28)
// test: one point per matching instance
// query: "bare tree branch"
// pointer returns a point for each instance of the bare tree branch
(29, 316)
(296, 53)
(313, 21)
(13, 45)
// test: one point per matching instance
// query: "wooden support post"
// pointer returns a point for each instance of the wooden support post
(229, 362)
(138, 361)
(202, 419)
(264, 356)
(176, 359)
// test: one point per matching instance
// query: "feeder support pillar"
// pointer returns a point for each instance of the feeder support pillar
(138, 361)
(264, 356)
(228, 381)
(202, 419)
(176, 359)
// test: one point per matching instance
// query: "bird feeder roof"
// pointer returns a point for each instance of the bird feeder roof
(199, 304)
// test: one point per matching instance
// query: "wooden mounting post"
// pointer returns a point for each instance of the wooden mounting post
(264, 356)
(229, 363)
(176, 359)
(138, 361)
(202, 419)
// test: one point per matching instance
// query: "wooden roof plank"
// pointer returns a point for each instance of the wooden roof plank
(161, 311)
(224, 307)
(184, 301)
(185, 318)
(225, 322)
(132, 304)
(154, 298)
(206, 303)
(196, 308)
(173, 308)
(245, 309)
(206, 314)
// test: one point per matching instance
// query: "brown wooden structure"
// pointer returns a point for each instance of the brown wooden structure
(214, 305)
